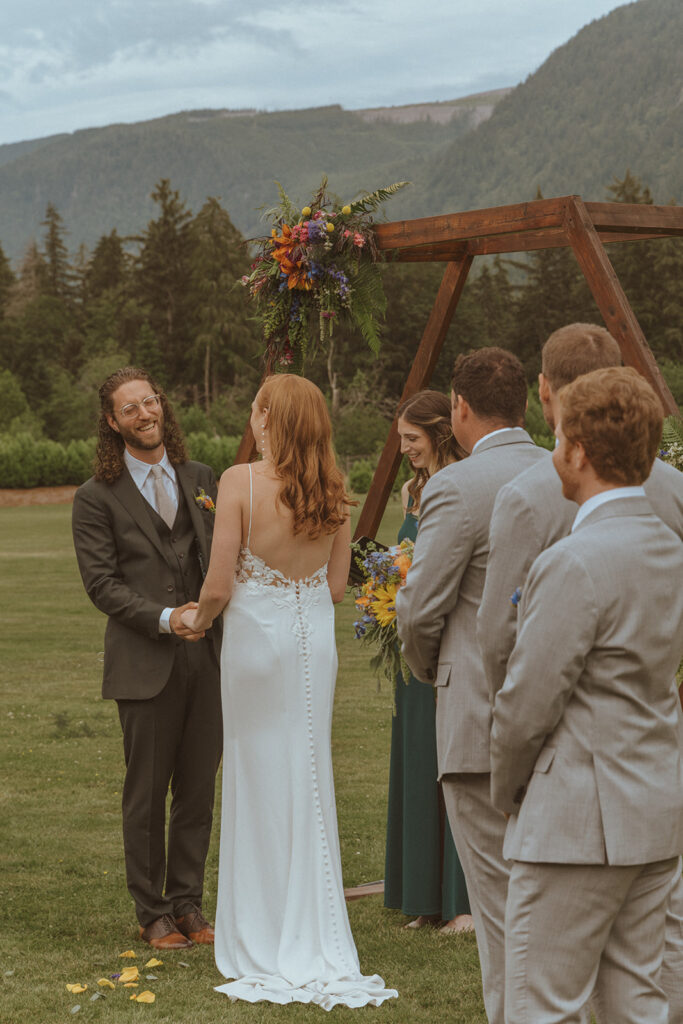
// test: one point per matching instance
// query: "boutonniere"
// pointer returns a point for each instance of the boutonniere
(204, 500)
(516, 596)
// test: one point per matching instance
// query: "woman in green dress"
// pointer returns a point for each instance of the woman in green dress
(422, 875)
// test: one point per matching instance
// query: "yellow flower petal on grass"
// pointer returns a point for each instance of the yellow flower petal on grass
(105, 983)
(129, 953)
(154, 962)
(76, 988)
(131, 984)
(130, 974)
(144, 997)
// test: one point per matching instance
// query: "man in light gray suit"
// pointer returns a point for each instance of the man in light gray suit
(585, 743)
(437, 612)
(529, 515)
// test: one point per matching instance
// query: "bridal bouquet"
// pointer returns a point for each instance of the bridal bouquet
(318, 265)
(381, 571)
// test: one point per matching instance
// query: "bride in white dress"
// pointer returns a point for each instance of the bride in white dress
(279, 560)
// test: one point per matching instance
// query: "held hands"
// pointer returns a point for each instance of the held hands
(182, 622)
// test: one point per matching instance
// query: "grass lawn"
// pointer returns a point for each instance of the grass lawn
(65, 914)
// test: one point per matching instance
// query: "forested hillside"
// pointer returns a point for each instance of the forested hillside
(101, 178)
(611, 98)
(173, 303)
(133, 262)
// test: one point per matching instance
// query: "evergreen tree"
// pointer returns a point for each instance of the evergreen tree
(58, 273)
(162, 277)
(148, 355)
(225, 343)
(30, 283)
(555, 293)
(650, 273)
(107, 269)
(7, 280)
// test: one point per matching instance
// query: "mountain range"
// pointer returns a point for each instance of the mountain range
(608, 100)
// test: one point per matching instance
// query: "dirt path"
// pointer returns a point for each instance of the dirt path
(37, 496)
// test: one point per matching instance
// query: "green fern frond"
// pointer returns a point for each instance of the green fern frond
(285, 210)
(672, 431)
(367, 303)
(368, 203)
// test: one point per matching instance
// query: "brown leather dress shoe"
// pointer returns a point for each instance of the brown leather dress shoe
(163, 934)
(195, 926)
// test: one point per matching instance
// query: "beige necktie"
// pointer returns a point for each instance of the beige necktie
(165, 505)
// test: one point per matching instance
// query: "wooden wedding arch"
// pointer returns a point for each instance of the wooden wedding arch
(456, 238)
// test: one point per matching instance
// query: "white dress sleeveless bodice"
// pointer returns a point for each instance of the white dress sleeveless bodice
(282, 930)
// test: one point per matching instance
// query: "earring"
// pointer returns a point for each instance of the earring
(263, 438)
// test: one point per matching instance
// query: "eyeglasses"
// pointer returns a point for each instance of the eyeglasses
(149, 404)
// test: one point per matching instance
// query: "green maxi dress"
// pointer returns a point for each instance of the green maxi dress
(422, 873)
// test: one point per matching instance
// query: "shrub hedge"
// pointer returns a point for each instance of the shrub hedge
(26, 461)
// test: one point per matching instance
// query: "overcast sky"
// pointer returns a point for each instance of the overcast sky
(69, 64)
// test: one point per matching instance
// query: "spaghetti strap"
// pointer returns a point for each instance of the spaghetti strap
(251, 496)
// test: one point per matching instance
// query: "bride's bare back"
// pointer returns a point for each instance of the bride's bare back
(272, 538)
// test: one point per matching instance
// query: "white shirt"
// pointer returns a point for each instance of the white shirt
(143, 479)
(599, 499)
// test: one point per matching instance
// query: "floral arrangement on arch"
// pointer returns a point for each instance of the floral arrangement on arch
(382, 571)
(318, 265)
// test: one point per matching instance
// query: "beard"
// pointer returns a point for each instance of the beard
(143, 440)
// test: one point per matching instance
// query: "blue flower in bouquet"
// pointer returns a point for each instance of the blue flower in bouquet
(317, 231)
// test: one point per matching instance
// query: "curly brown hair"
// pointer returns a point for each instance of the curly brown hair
(109, 462)
(431, 412)
(616, 415)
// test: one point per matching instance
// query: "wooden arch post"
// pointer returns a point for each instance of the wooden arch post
(523, 227)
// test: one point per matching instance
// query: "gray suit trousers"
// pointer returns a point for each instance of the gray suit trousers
(576, 931)
(478, 830)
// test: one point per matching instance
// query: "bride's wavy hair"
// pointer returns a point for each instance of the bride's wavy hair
(300, 436)
(431, 412)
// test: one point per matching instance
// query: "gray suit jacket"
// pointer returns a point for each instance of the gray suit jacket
(586, 729)
(529, 515)
(437, 608)
(127, 576)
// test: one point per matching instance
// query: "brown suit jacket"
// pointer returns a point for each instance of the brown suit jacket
(128, 577)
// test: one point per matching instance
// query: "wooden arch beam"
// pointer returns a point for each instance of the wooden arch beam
(455, 239)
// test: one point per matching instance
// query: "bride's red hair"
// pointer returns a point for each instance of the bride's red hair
(300, 437)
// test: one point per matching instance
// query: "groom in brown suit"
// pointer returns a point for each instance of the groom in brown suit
(142, 541)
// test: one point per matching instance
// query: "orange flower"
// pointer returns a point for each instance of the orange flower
(403, 563)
